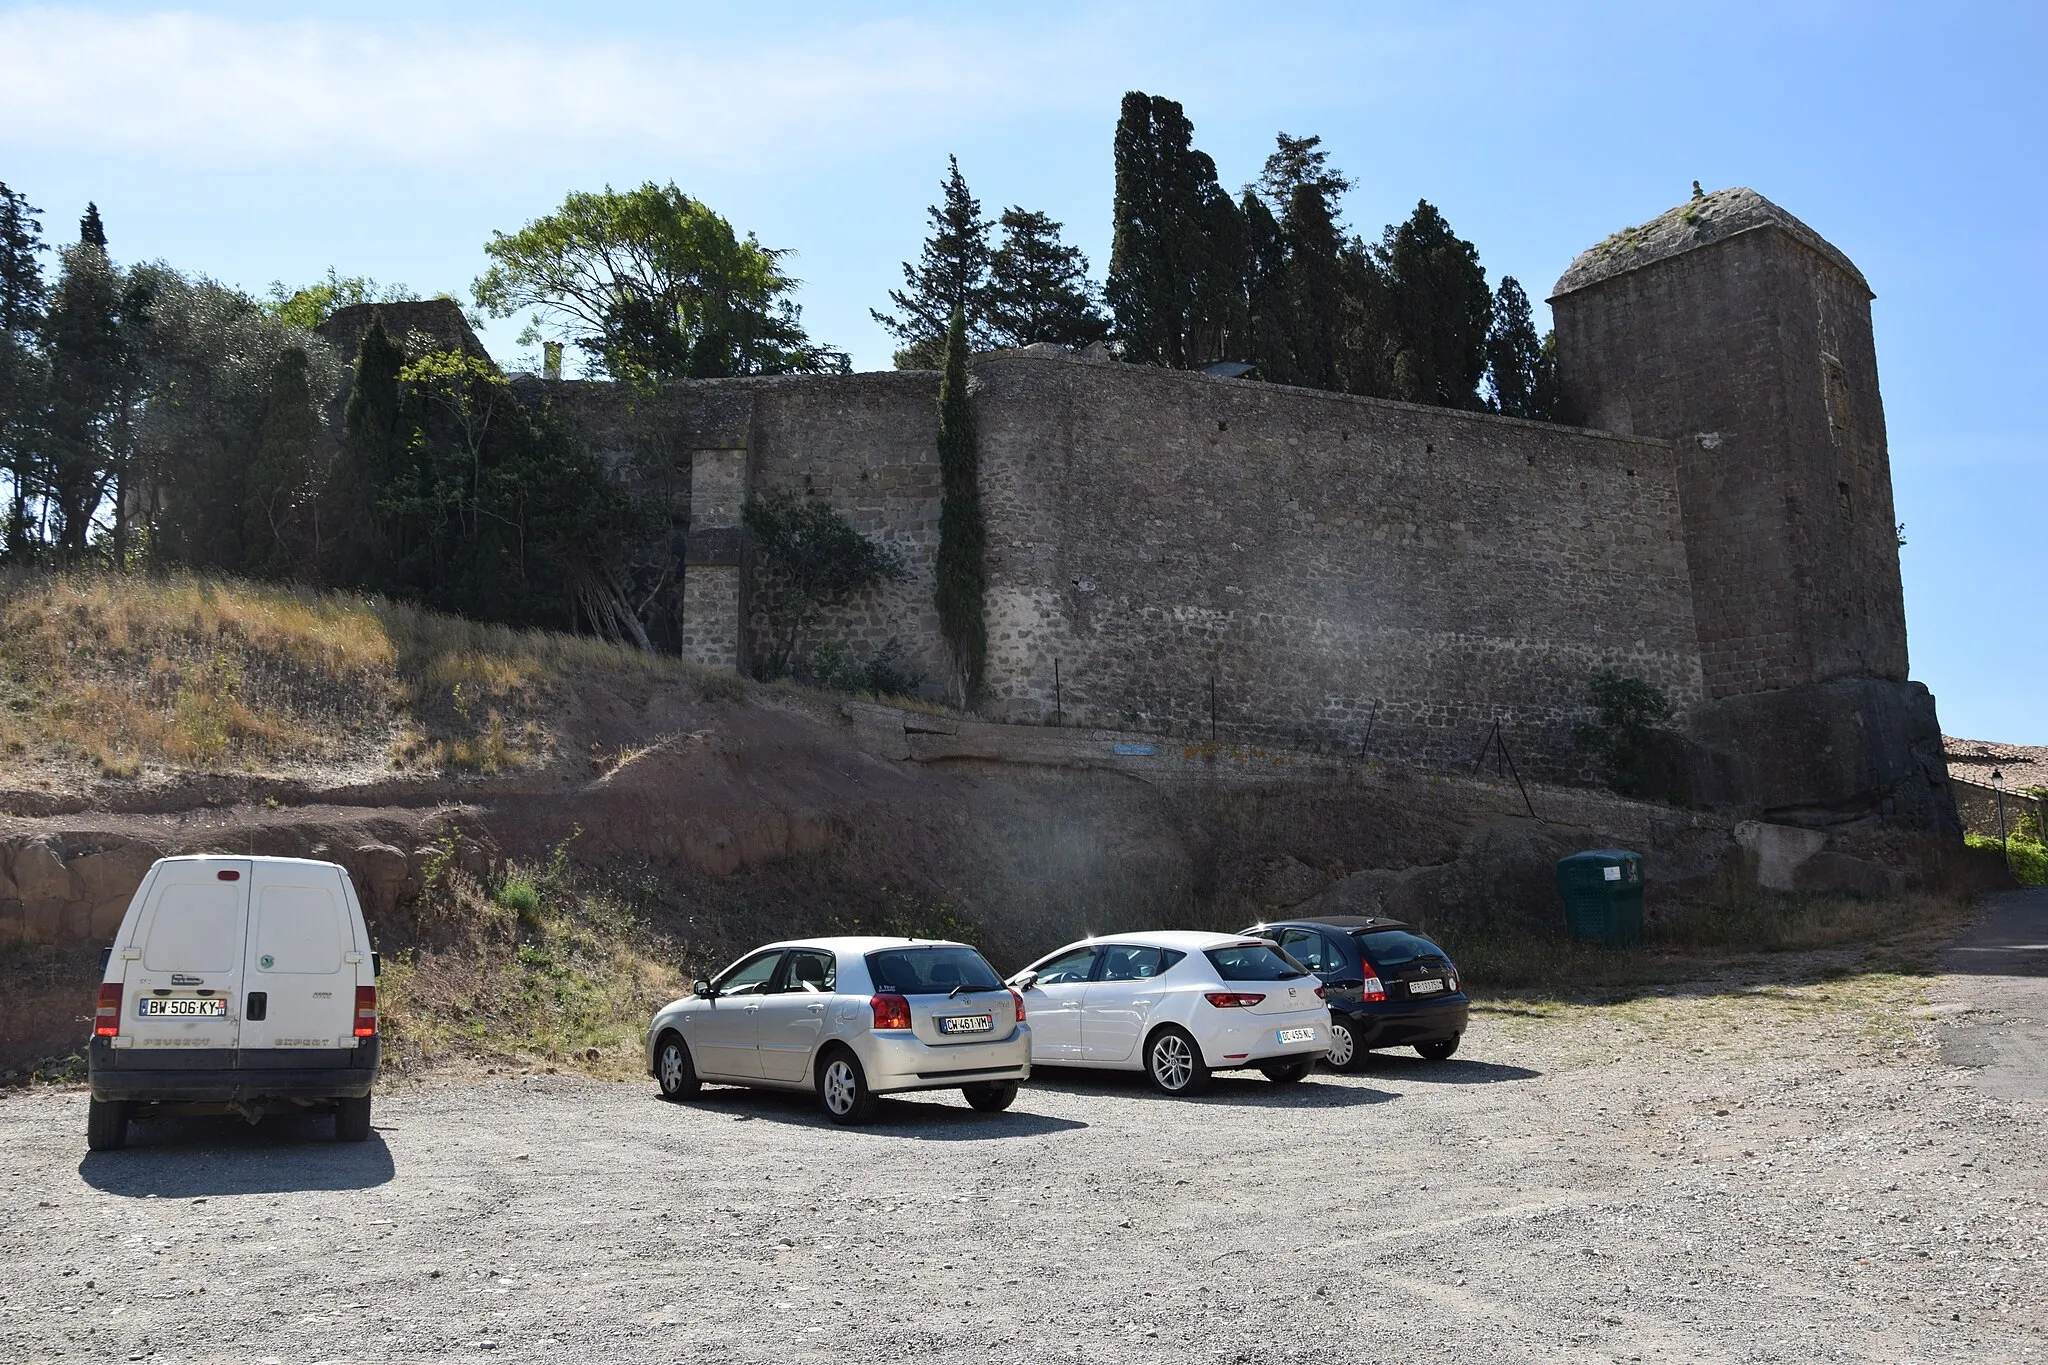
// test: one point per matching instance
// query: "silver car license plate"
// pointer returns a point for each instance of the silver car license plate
(966, 1023)
(155, 1008)
(1297, 1035)
(1424, 987)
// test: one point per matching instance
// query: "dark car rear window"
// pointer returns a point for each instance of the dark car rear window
(1396, 947)
(1252, 962)
(930, 971)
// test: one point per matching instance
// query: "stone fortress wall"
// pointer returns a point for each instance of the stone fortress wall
(1380, 578)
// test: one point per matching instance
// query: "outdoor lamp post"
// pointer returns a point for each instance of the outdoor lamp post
(1998, 789)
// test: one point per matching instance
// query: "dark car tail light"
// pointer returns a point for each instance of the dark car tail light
(1232, 1000)
(106, 1015)
(891, 1011)
(1019, 1001)
(366, 1011)
(1372, 991)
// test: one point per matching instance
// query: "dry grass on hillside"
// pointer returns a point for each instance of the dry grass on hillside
(186, 672)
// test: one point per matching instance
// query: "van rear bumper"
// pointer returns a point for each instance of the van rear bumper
(230, 1075)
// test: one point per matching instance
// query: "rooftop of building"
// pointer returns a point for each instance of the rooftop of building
(1701, 221)
(1974, 760)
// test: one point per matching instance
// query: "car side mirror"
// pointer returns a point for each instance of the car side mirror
(1024, 981)
(702, 989)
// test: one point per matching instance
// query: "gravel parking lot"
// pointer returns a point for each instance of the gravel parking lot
(1740, 1172)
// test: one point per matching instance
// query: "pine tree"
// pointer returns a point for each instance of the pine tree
(92, 376)
(279, 473)
(951, 274)
(1513, 352)
(1315, 286)
(962, 575)
(1039, 288)
(1440, 307)
(23, 298)
(1177, 260)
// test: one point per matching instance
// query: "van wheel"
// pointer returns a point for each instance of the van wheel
(843, 1089)
(352, 1120)
(990, 1097)
(673, 1070)
(1175, 1064)
(106, 1125)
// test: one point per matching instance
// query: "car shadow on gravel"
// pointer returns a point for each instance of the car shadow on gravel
(189, 1158)
(926, 1120)
(1318, 1092)
(1457, 1071)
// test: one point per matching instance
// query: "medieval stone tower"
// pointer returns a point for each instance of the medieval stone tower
(1734, 331)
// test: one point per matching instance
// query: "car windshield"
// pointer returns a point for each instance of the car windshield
(1397, 947)
(931, 971)
(1252, 962)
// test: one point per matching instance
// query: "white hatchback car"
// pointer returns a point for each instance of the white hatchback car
(852, 1018)
(1176, 1005)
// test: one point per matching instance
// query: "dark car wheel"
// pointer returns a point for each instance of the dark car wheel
(1344, 1053)
(673, 1070)
(990, 1097)
(106, 1125)
(1438, 1051)
(352, 1120)
(843, 1089)
(1174, 1063)
(1287, 1073)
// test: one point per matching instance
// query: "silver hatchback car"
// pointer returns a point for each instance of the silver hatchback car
(853, 1019)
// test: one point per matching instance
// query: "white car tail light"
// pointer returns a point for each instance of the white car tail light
(1232, 1000)
(891, 1011)
(1019, 1001)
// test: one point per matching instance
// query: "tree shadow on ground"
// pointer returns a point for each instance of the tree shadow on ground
(189, 1158)
(925, 1118)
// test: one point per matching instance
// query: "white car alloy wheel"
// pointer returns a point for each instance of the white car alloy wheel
(1173, 1064)
(1343, 1045)
(844, 1090)
(672, 1069)
(840, 1088)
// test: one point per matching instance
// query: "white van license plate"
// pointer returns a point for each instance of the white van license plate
(1297, 1035)
(183, 1009)
(966, 1023)
(1424, 987)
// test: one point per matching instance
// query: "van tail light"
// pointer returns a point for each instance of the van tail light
(1232, 1000)
(1020, 1005)
(106, 1015)
(366, 1011)
(891, 1011)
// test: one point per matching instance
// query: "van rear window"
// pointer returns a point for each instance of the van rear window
(195, 929)
(299, 929)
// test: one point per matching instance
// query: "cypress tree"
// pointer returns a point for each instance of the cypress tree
(1269, 333)
(359, 547)
(951, 274)
(1440, 307)
(1513, 352)
(962, 576)
(1177, 259)
(91, 374)
(1314, 286)
(277, 477)
(23, 297)
(1039, 288)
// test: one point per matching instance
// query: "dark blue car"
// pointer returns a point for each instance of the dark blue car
(1388, 986)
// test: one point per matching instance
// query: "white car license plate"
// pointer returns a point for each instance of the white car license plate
(1424, 987)
(1297, 1035)
(155, 1008)
(965, 1023)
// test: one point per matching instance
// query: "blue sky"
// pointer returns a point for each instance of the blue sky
(227, 140)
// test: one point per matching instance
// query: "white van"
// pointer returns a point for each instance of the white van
(236, 984)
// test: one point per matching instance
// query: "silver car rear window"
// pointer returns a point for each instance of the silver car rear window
(930, 971)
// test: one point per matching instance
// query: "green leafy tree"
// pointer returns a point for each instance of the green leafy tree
(809, 559)
(1039, 288)
(1177, 259)
(962, 573)
(951, 273)
(652, 284)
(1439, 308)
(1626, 713)
(23, 298)
(314, 304)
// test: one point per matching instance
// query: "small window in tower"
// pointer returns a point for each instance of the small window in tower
(1846, 503)
(1836, 379)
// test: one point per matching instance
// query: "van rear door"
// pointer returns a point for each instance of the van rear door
(183, 969)
(301, 962)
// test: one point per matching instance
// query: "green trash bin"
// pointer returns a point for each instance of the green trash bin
(1603, 896)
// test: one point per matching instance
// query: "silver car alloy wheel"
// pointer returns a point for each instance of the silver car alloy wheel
(672, 1068)
(1173, 1064)
(1342, 1045)
(840, 1086)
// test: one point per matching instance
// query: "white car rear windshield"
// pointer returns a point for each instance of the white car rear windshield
(931, 971)
(1252, 962)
